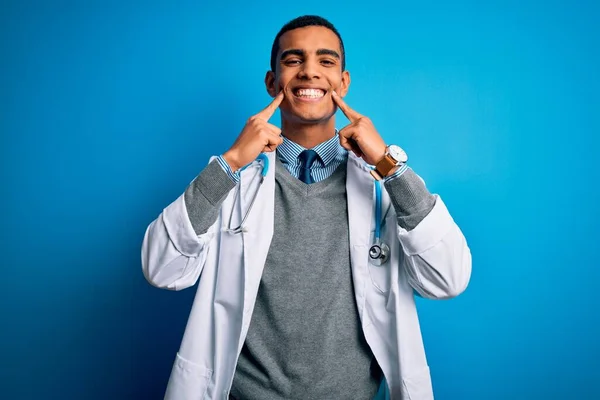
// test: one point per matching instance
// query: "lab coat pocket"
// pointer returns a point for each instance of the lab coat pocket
(417, 386)
(188, 380)
(380, 276)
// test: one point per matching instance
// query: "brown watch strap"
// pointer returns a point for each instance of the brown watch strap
(383, 167)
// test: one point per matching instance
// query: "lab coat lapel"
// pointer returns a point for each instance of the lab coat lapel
(259, 224)
(257, 234)
(360, 191)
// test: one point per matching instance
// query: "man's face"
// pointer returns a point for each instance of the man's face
(309, 67)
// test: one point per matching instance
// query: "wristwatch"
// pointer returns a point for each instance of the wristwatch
(394, 156)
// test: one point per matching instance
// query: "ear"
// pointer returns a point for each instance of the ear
(271, 83)
(345, 85)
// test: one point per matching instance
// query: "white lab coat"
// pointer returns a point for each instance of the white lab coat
(433, 259)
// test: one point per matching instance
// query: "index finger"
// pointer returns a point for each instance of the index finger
(348, 112)
(269, 110)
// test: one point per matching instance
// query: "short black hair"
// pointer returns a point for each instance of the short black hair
(301, 22)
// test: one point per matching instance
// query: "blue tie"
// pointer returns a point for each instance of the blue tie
(307, 158)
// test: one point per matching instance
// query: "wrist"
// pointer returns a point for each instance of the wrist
(230, 158)
(380, 153)
(235, 176)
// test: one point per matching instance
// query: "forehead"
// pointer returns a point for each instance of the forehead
(309, 39)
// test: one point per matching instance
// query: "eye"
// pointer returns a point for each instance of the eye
(293, 61)
(328, 62)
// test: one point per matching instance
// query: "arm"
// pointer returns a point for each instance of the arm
(175, 244)
(437, 258)
(437, 261)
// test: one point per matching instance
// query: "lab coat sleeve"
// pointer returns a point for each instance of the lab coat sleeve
(437, 258)
(175, 245)
(172, 254)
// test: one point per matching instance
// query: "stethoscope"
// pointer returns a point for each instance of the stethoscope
(265, 168)
(379, 252)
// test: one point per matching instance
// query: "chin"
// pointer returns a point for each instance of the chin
(310, 118)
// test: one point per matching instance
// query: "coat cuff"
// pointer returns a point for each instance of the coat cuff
(429, 232)
(180, 230)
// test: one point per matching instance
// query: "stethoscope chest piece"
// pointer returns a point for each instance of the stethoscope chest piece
(379, 253)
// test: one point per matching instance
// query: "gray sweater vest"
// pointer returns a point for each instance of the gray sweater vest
(305, 339)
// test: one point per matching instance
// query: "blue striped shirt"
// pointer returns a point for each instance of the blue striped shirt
(330, 155)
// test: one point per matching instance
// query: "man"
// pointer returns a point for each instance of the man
(294, 300)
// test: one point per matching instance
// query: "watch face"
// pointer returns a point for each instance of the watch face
(397, 153)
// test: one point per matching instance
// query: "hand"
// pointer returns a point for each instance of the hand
(257, 136)
(360, 136)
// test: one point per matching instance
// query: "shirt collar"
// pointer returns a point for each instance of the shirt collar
(327, 151)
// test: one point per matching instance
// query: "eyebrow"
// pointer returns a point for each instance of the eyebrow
(302, 53)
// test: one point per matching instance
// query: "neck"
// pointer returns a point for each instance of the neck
(308, 135)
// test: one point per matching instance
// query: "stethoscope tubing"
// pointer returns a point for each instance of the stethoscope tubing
(263, 173)
(377, 211)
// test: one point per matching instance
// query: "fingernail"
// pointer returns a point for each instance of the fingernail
(334, 92)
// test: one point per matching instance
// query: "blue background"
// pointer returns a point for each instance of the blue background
(109, 109)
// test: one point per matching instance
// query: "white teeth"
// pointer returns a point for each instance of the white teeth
(312, 93)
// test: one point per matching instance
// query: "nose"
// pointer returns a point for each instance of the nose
(309, 70)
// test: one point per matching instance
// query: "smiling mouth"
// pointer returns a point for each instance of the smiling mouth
(309, 94)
